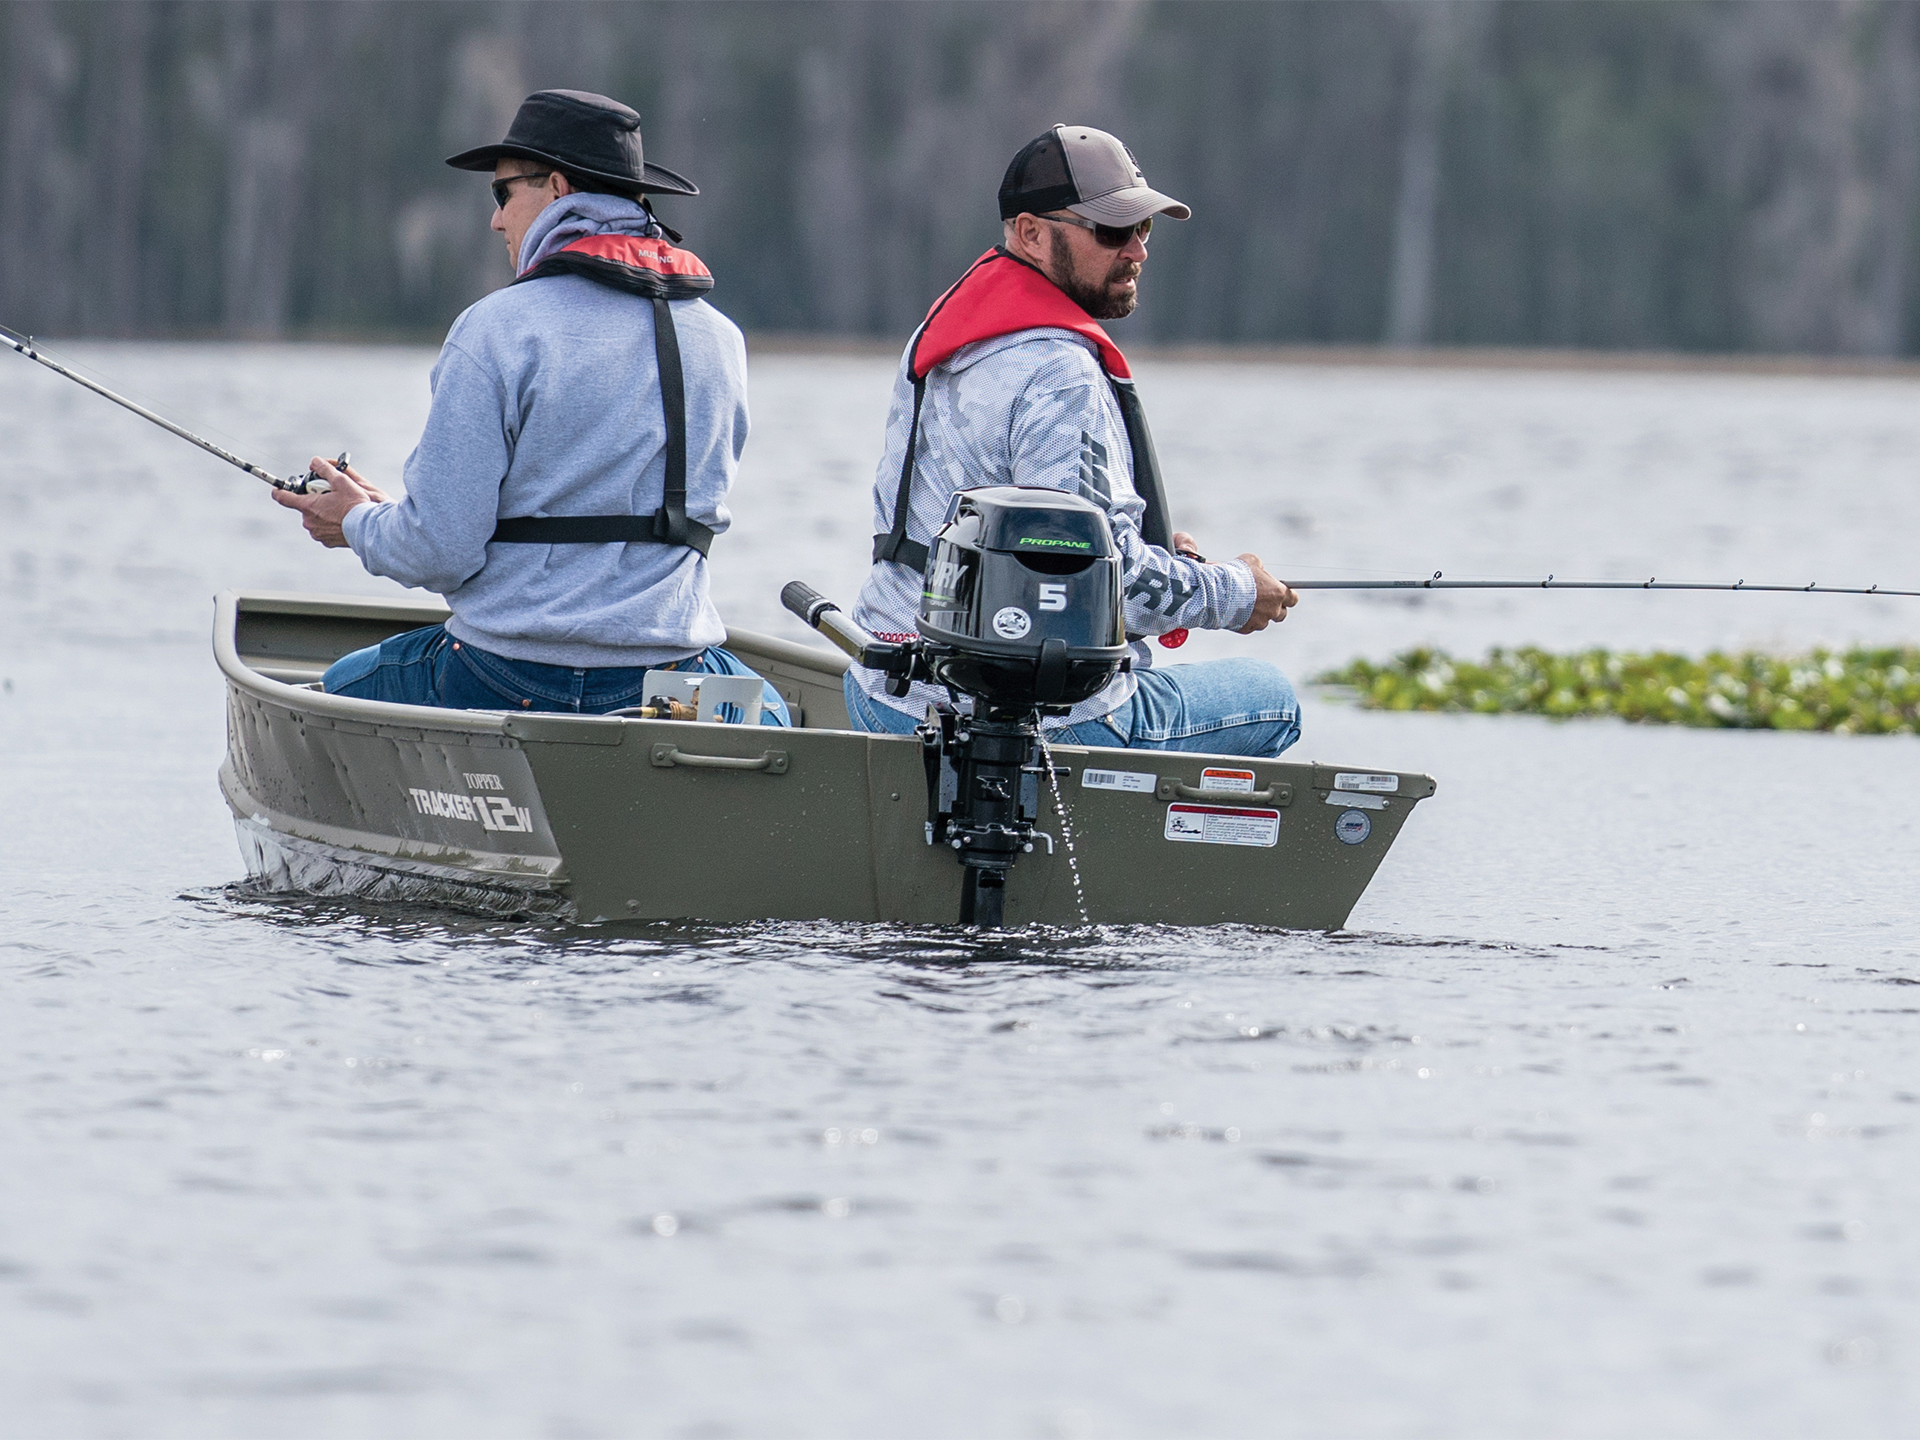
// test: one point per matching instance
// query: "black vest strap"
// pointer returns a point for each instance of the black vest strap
(1154, 526)
(669, 524)
(592, 530)
(895, 545)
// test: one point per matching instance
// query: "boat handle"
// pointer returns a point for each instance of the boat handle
(774, 762)
(1171, 788)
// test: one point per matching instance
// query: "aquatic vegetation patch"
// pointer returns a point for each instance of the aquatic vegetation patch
(1851, 692)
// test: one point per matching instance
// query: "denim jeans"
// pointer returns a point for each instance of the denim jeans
(430, 667)
(1217, 707)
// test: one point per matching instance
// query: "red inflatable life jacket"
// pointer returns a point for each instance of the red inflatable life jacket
(656, 269)
(999, 295)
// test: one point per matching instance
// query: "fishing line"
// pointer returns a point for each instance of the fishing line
(159, 403)
(1174, 639)
(307, 484)
(1438, 582)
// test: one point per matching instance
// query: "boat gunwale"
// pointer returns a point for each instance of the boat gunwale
(230, 604)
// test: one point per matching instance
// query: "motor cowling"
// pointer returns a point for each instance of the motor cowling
(1022, 599)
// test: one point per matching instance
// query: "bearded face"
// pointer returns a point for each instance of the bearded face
(1098, 284)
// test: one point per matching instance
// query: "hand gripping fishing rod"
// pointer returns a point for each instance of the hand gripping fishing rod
(307, 484)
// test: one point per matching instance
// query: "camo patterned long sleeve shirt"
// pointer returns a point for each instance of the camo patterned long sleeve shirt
(1032, 408)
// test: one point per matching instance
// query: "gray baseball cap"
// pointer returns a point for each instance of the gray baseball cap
(1087, 171)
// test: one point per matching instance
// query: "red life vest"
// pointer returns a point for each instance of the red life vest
(658, 271)
(1000, 295)
(653, 268)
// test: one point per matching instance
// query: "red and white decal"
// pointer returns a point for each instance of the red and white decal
(1241, 780)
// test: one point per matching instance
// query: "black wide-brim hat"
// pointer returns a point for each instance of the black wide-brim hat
(583, 134)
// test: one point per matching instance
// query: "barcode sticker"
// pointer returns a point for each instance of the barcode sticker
(1138, 781)
(1378, 784)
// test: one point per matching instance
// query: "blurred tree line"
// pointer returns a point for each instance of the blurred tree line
(1719, 175)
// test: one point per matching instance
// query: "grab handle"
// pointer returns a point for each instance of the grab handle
(666, 756)
(1171, 788)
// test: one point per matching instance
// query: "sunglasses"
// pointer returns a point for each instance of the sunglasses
(1107, 237)
(503, 188)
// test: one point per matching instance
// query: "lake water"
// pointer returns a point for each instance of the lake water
(1600, 1121)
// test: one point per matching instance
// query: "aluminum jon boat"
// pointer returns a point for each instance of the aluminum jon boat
(597, 819)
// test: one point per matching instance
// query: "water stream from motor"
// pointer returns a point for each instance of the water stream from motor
(1066, 832)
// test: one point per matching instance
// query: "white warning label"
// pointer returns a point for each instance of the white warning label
(1377, 784)
(1137, 781)
(1219, 825)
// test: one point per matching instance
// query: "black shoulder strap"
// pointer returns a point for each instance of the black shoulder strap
(895, 545)
(1155, 527)
(669, 524)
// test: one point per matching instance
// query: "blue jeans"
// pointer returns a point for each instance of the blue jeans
(1217, 707)
(430, 667)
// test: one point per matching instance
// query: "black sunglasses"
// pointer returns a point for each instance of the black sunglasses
(503, 187)
(1108, 237)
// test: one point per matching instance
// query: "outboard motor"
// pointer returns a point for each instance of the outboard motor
(1022, 600)
(1020, 617)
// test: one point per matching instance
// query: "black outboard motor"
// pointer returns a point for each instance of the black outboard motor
(1020, 617)
(1022, 600)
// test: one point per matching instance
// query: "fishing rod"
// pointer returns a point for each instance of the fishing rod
(1174, 639)
(307, 484)
(1439, 582)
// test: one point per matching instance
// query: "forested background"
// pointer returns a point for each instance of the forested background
(1616, 173)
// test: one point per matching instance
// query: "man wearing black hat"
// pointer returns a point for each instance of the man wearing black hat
(1011, 380)
(586, 425)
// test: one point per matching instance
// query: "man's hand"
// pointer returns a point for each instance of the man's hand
(1272, 598)
(323, 515)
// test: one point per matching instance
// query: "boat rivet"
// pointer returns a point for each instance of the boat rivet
(896, 794)
(633, 904)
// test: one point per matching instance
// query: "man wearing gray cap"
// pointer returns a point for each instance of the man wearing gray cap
(1011, 380)
(586, 425)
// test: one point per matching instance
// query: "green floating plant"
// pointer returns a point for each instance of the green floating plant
(1852, 692)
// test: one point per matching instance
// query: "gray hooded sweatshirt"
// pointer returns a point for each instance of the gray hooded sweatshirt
(546, 401)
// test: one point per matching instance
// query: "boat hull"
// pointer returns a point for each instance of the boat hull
(607, 819)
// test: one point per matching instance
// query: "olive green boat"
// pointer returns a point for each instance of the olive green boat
(597, 818)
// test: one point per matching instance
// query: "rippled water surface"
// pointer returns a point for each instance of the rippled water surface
(1601, 1120)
